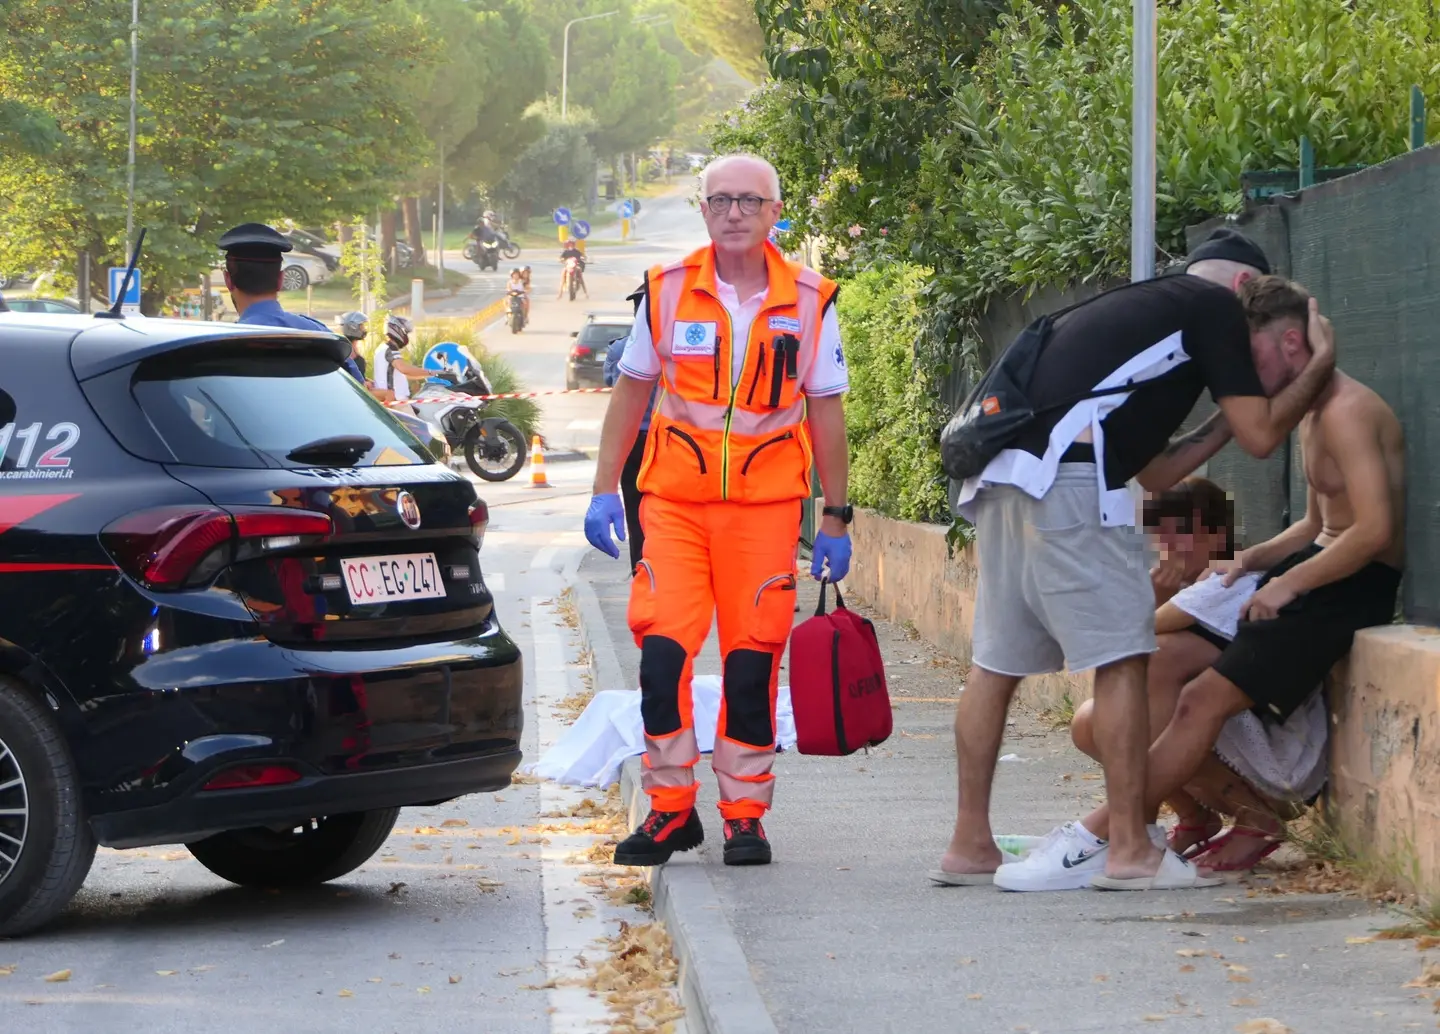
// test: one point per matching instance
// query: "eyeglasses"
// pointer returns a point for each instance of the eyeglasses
(719, 204)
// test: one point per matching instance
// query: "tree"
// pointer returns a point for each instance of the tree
(248, 110)
(554, 170)
(729, 30)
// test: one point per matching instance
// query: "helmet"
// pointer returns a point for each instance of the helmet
(353, 324)
(488, 215)
(517, 271)
(397, 330)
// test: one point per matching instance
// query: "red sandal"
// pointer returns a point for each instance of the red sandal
(1210, 828)
(1268, 844)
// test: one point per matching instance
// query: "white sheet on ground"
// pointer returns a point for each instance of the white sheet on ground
(1286, 762)
(610, 730)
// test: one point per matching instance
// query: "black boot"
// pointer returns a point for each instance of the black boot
(659, 836)
(745, 843)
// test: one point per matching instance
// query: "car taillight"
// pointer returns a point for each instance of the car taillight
(173, 546)
(479, 521)
(247, 776)
(580, 352)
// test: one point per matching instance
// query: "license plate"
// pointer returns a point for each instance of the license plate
(380, 579)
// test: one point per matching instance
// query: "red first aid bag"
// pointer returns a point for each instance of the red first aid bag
(837, 682)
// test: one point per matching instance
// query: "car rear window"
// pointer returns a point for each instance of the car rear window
(252, 411)
(602, 334)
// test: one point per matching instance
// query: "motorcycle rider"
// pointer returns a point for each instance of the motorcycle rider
(355, 327)
(572, 251)
(520, 283)
(392, 369)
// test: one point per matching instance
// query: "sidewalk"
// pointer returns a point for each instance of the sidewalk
(844, 933)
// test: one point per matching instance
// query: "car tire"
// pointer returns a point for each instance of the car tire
(312, 851)
(571, 382)
(294, 278)
(56, 845)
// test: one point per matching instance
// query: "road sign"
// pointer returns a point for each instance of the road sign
(131, 306)
(580, 228)
(627, 209)
(783, 225)
(562, 216)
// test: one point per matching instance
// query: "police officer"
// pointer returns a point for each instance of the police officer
(252, 274)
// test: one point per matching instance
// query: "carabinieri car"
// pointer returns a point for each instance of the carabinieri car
(241, 609)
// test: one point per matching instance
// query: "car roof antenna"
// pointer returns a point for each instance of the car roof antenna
(114, 313)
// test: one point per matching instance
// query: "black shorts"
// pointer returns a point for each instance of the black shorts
(1278, 663)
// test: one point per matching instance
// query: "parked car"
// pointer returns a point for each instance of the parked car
(242, 609)
(300, 269)
(586, 362)
(53, 305)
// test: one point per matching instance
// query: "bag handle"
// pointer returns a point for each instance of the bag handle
(820, 606)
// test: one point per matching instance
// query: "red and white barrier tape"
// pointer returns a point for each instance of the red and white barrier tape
(506, 395)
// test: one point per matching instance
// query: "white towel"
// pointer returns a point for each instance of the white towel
(610, 729)
(1285, 762)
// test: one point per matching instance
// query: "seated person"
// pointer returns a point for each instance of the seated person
(392, 369)
(1332, 573)
(520, 282)
(1257, 772)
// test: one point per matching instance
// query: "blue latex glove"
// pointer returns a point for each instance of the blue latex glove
(832, 549)
(607, 512)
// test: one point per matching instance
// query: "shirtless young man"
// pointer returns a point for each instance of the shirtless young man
(1334, 572)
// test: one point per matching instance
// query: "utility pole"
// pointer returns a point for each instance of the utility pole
(440, 214)
(565, 58)
(1142, 142)
(134, 68)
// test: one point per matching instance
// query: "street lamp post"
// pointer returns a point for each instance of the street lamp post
(1142, 142)
(130, 172)
(565, 58)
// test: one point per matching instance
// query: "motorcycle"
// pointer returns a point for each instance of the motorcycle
(493, 447)
(487, 255)
(516, 302)
(508, 248)
(573, 279)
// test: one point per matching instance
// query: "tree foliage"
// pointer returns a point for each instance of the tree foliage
(729, 30)
(552, 171)
(248, 110)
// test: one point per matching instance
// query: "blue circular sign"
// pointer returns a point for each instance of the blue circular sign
(562, 216)
(694, 335)
(580, 228)
(783, 225)
(449, 357)
(627, 209)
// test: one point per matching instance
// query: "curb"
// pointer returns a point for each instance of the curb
(716, 988)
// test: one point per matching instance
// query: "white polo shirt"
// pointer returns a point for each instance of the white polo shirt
(828, 375)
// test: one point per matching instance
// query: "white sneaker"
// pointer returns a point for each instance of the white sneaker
(1069, 858)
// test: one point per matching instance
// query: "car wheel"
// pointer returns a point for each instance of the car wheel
(311, 851)
(45, 843)
(571, 383)
(294, 278)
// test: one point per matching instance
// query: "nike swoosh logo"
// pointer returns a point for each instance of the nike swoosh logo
(1083, 856)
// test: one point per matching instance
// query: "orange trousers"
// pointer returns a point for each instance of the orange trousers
(734, 562)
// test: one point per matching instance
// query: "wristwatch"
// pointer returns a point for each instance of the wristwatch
(846, 513)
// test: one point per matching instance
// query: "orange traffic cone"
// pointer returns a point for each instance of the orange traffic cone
(537, 464)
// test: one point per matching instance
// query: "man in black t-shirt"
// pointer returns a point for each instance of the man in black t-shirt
(1063, 579)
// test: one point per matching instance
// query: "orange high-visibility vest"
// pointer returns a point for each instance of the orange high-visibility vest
(713, 438)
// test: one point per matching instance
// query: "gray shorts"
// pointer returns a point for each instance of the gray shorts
(1057, 588)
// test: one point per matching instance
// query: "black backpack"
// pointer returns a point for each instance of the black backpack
(998, 409)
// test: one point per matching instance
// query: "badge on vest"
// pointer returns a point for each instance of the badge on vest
(692, 339)
(789, 323)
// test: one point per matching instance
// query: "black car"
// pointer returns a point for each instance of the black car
(586, 362)
(242, 609)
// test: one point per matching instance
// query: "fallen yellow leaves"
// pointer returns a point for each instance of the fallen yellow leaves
(344, 993)
(488, 885)
(166, 972)
(454, 824)
(1429, 978)
(638, 979)
(1191, 953)
(9, 970)
(1187, 968)
(1154, 1017)
(1360, 940)
(975, 997)
(1243, 1002)
(1263, 1025)
(454, 979)
(59, 976)
(1239, 978)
